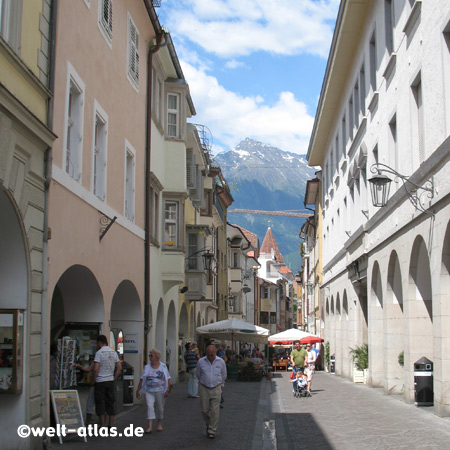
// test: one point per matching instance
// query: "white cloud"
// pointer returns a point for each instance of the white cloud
(232, 117)
(234, 64)
(231, 28)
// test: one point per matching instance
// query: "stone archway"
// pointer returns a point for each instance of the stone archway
(126, 316)
(171, 357)
(376, 328)
(394, 374)
(183, 330)
(14, 294)
(442, 358)
(160, 343)
(78, 299)
(346, 363)
(419, 311)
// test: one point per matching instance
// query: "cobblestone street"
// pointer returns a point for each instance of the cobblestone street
(265, 415)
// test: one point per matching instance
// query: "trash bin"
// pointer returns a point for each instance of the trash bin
(423, 382)
(332, 364)
(128, 384)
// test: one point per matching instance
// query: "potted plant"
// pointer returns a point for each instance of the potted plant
(327, 356)
(360, 358)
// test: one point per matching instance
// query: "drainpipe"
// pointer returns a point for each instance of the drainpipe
(148, 151)
(48, 161)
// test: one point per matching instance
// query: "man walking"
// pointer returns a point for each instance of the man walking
(107, 368)
(211, 374)
(298, 357)
(191, 358)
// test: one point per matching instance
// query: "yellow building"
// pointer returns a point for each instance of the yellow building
(25, 142)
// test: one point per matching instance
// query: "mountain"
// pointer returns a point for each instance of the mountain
(265, 177)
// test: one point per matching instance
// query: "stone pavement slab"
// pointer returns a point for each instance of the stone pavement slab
(344, 415)
(183, 423)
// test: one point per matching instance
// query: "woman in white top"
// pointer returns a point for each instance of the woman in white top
(309, 371)
(155, 383)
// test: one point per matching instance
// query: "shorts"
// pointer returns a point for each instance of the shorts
(104, 398)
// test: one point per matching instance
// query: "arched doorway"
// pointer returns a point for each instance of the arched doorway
(126, 317)
(14, 295)
(395, 326)
(376, 329)
(419, 310)
(160, 343)
(172, 341)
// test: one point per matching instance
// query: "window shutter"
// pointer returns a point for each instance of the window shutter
(106, 18)
(134, 52)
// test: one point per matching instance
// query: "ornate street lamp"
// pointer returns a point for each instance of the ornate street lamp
(380, 184)
(207, 260)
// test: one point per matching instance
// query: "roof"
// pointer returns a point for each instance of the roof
(251, 237)
(270, 244)
(285, 269)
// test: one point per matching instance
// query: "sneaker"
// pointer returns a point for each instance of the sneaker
(194, 396)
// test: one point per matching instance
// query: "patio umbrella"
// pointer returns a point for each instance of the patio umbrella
(289, 336)
(234, 329)
(311, 340)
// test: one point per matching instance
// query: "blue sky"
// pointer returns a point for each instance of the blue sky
(254, 67)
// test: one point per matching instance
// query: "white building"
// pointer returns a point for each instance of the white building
(385, 99)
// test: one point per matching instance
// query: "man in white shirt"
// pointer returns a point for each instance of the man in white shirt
(211, 374)
(107, 368)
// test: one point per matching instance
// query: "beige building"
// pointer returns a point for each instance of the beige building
(25, 142)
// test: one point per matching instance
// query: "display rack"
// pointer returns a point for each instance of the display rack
(66, 377)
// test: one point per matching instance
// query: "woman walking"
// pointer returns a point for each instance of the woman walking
(155, 384)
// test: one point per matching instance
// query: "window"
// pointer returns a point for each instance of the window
(133, 52)
(362, 91)
(235, 259)
(11, 22)
(392, 143)
(105, 19)
(351, 120)
(155, 189)
(130, 169)
(266, 292)
(207, 210)
(100, 152)
(417, 119)
(173, 115)
(173, 223)
(389, 25)
(74, 125)
(373, 62)
(156, 96)
(193, 256)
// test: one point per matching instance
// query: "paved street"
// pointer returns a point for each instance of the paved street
(339, 415)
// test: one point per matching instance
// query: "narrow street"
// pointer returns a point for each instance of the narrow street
(339, 415)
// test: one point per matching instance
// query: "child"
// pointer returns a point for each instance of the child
(299, 381)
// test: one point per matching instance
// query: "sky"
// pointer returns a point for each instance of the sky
(254, 67)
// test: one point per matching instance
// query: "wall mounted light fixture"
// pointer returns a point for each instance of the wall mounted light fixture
(380, 184)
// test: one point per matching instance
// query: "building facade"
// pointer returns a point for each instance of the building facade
(25, 143)
(384, 108)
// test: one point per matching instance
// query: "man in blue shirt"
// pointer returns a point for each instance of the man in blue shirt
(211, 374)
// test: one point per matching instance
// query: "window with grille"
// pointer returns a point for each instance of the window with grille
(130, 169)
(106, 18)
(133, 52)
(173, 115)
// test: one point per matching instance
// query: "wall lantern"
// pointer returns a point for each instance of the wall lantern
(380, 184)
(207, 260)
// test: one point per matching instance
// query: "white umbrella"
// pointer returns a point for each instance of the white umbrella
(293, 334)
(234, 329)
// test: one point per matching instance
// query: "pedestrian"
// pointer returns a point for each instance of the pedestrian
(155, 384)
(191, 357)
(211, 374)
(298, 357)
(107, 368)
(311, 364)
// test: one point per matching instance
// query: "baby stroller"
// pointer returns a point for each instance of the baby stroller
(299, 386)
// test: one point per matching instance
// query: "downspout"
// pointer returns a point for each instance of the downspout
(148, 152)
(48, 161)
